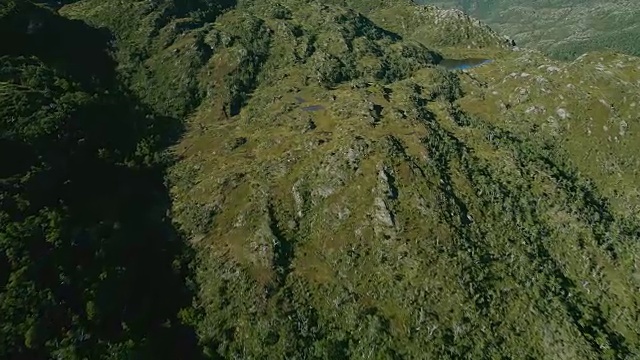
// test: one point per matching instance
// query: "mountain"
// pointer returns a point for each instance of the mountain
(345, 191)
(564, 29)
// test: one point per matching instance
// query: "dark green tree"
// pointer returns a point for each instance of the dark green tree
(90, 264)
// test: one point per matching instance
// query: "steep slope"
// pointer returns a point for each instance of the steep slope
(86, 248)
(589, 106)
(348, 198)
(161, 46)
(562, 28)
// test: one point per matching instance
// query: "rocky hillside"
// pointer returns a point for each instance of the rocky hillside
(562, 28)
(349, 198)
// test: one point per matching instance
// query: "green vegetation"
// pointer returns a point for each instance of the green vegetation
(564, 29)
(86, 249)
(341, 195)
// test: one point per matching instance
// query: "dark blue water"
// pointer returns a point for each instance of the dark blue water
(313, 108)
(301, 100)
(463, 64)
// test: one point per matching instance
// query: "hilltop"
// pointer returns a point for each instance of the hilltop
(347, 197)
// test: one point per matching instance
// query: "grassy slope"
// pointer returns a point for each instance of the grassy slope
(562, 28)
(480, 214)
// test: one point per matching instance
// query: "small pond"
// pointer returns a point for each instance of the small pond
(308, 108)
(313, 108)
(463, 64)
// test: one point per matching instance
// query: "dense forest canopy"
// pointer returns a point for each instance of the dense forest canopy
(306, 180)
(87, 248)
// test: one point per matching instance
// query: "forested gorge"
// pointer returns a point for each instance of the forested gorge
(90, 263)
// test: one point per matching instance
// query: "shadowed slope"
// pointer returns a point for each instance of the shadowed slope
(91, 266)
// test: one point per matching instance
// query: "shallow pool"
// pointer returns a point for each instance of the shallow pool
(463, 64)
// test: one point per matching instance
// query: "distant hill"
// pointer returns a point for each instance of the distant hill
(562, 28)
